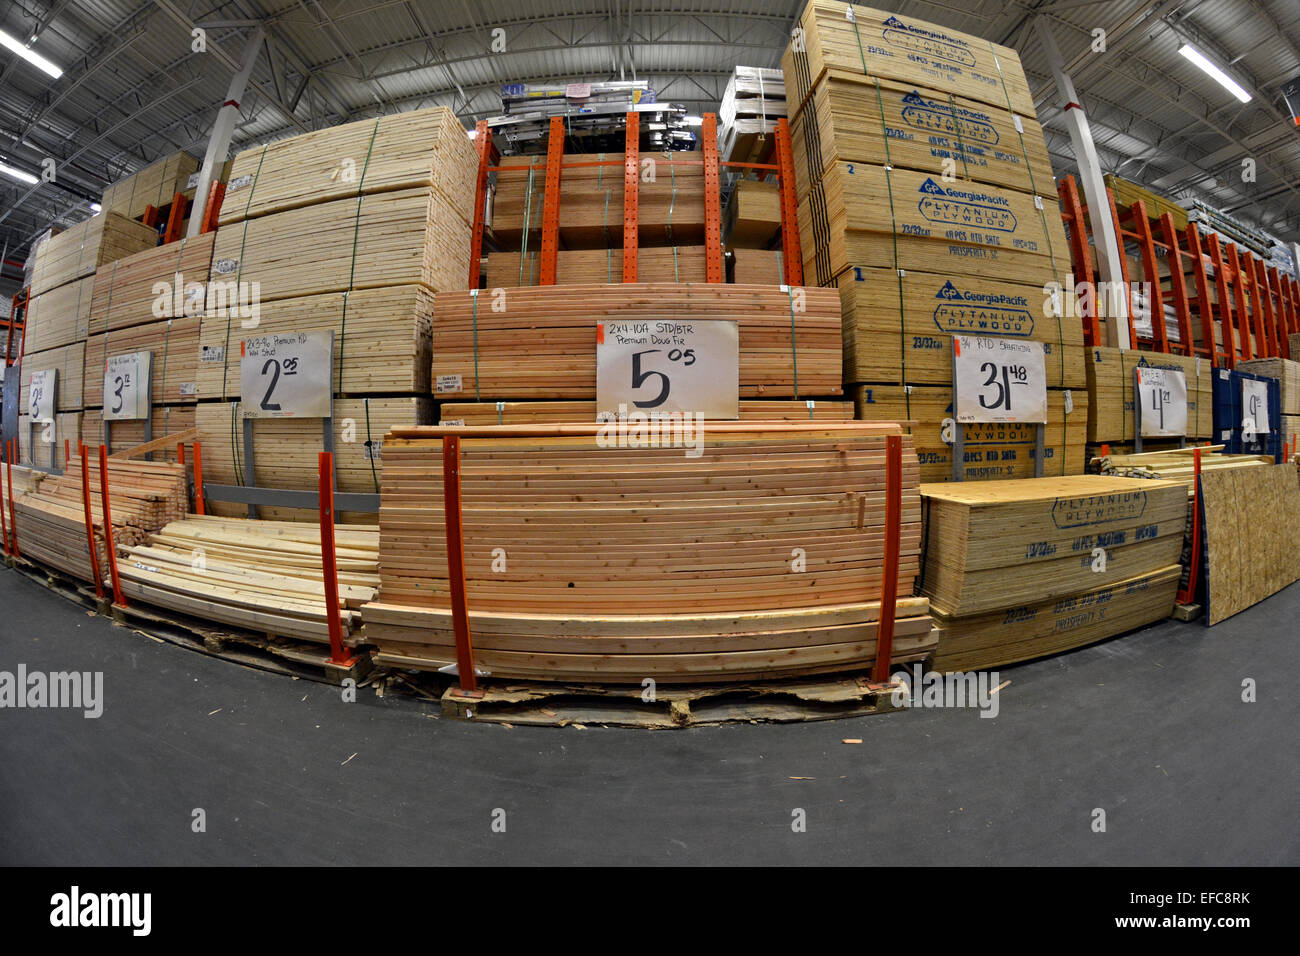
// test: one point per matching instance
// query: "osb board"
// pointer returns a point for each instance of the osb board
(1110, 391)
(1253, 550)
(58, 317)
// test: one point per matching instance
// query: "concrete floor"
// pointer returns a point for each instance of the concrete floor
(1149, 727)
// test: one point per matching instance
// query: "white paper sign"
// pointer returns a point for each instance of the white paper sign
(126, 386)
(1162, 397)
(40, 395)
(999, 380)
(1254, 408)
(287, 375)
(669, 367)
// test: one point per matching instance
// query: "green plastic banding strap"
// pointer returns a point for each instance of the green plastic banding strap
(672, 202)
(225, 368)
(527, 220)
(893, 235)
(956, 126)
(356, 234)
(794, 343)
(108, 318)
(234, 443)
(370, 445)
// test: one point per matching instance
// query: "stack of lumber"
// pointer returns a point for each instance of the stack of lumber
(617, 564)
(532, 413)
(81, 250)
(264, 576)
(126, 293)
(35, 449)
(1287, 373)
(751, 104)
(1176, 464)
(167, 420)
(174, 344)
(992, 451)
(752, 219)
(1110, 391)
(155, 185)
(591, 266)
(25, 479)
(58, 317)
(756, 267)
(68, 361)
(1126, 193)
(542, 344)
(988, 544)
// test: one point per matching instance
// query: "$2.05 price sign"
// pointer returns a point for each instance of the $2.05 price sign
(999, 380)
(126, 386)
(1162, 399)
(287, 375)
(668, 367)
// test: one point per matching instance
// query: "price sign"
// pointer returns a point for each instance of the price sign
(1254, 408)
(668, 366)
(1162, 398)
(287, 375)
(126, 386)
(999, 380)
(40, 395)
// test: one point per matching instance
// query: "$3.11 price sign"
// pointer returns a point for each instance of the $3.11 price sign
(126, 386)
(286, 375)
(40, 395)
(999, 380)
(1162, 399)
(668, 367)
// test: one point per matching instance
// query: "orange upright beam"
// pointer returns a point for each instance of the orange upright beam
(1226, 325)
(1155, 299)
(198, 478)
(329, 559)
(551, 204)
(1239, 301)
(631, 196)
(482, 143)
(106, 512)
(1279, 317)
(1202, 283)
(1080, 256)
(90, 524)
(212, 211)
(176, 219)
(1260, 345)
(456, 566)
(892, 544)
(1178, 284)
(712, 201)
(791, 252)
(1266, 301)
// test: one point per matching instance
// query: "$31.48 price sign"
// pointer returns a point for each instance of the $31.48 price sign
(668, 367)
(999, 380)
(287, 375)
(1162, 400)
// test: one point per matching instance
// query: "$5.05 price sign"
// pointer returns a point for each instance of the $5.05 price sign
(668, 367)
(287, 375)
(999, 380)
(1162, 402)
(126, 386)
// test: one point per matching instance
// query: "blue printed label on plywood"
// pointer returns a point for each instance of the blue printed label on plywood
(938, 45)
(1086, 510)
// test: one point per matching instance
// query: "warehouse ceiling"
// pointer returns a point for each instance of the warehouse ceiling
(134, 90)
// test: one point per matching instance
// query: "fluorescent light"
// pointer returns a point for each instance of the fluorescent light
(1224, 80)
(96, 207)
(18, 174)
(33, 58)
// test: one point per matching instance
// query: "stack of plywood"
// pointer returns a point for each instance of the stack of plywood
(756, 267)
(83, 248)
(753, 215)
(1110, 392)
(591, 266)
(760, 557)
(1016, 570)
(1287, 373)
(155, 185)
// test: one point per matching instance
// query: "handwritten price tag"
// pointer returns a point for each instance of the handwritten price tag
(40, 395)
(999, 380)
(1162, 398)
(126, 386)
(287, 375)
(668, 367)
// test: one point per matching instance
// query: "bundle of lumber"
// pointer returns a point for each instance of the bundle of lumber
(752, 219)
(174, 344)
(992, 451)
(756, 267)
(1110, 391)
(1126, 193)
(531, 413)
(58, 317)
(68, 363)
(382, 340)
(44, 444)
(1175, 464)
(989, 543)
(155, 185)
(898, 329)
(166, 419)
(542, 342)
(25, 479)
(263, 576)
(591, 266)
(1287, 373)
(83, 248)
(126, 293)
(751, 104)
(378, 239)
(418, 148)
(760, 557)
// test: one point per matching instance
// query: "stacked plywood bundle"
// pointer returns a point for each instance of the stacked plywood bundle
(753, 216)
(155, 185)
(1287, 373)
(759, 557)
(1110, 392)
(82, 249)
(1097, 556)
(533, 413)
(591, 266)
(756, 267)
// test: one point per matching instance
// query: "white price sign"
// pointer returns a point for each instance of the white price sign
(1162, 398)
(668, 366)
(1254, 408)
(999, 380)
(40, 395)
(126, 386)
(287, 375)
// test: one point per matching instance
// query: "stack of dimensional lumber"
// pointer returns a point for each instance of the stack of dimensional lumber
(44, 445)
(590, 266)
(166, 420)
(756, 267)
(174, 346)
(155, 185)
(542, 343)
(264, 576)
(992, 451)
(1287, 373)
(752, 219)
(58, 317)
(1177, 464)
(670, 205)
(751, 104)
(131, 290)
(81, 250)
(1013, 569)
(762, 557)
(1126, 193)
(68, 363)
(1110, 391)
(533, 413)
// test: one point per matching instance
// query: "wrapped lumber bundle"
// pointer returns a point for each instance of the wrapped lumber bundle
(532, 413)
(1176, 464)
(899, 329)
(400, 151)
(1126, 193)
(992, 451)
(155, 185)
(174, 344)
(1287, 373)
(58, 317)
(262, 576)
(756, 267)
(478, 350)
(630, 562)
(35, 448)
(832, 35)
(751, 104)
(83, 248)
(670, 206)
(68, 363)
(591, 266)
(382, 340)
(989, 543)
(752, 219)
(167, 420)
(126, 292)
(1110, 391)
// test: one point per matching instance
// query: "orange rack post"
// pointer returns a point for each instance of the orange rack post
(1080, 256)
(1178, 283)
(1239, 301)
(889, 573)
(631, 196)
(1155, 300)
(212, 211)
(791, 252)
(198, 478)
(483, 143)
(1201, 283)
(1279, 323)
(176, 218)
(551, 203)
(1123, 267)
(329, 560)
(106, 512)
(1261, 344)
(712, 201)
(90, 523)
(151, 216)
(467, 679)
(1226, 324)
(13, 517)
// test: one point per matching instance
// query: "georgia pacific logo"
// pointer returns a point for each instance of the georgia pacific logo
(931, 117)
(960, 312)
(930, 186)
(937, 45)
(938, 206)
(949, 291)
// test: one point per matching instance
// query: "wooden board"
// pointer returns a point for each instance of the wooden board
(756, 267)
(591, 266)
(417, 148)
(126, 291)
(899, 328)
(990, 543)
(85, 247)
(409, 236)
(753, 215)
(515, 413)
(903, 48)
(1174, 464)
(541, 342)
(167, 420)
(69, 362)
(1252, 549)
(1110, 391)
(155, 185)
(1287, 373)
(67, 425)
(58, 317)
(174, 366)
(1038, 628)
(382, 340)
(993, 452)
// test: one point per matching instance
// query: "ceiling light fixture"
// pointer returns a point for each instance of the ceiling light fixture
(13, 43)
(1223, 79)
(18, 174)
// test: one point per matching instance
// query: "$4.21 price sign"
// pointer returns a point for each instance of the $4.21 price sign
(1162, 402)
(998, 380)
(287, 375)
(668, 366)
